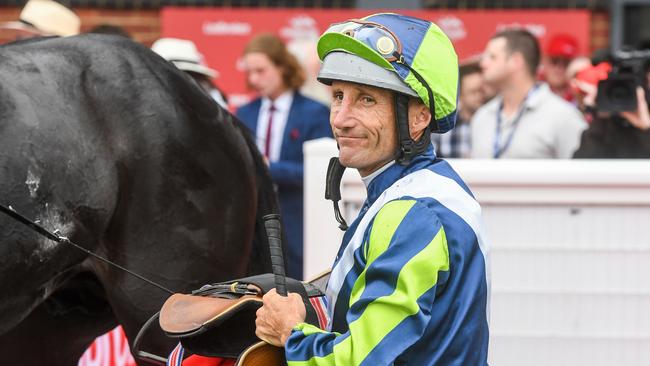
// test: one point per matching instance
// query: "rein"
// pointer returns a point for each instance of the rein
(57, 237)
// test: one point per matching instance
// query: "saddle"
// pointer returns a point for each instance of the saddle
(218, 320)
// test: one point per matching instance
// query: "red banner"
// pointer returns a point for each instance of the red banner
(221, 34)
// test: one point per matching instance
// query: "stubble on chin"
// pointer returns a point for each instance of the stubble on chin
(345, 158)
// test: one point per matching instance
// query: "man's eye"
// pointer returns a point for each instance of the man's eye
(338, 96)
(367, 99)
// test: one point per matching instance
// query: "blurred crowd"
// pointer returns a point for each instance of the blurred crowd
(518, 100)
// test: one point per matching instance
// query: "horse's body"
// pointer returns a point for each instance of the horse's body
(112, 146)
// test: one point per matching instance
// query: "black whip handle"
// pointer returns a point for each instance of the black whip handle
(29, 223)
(274, 233)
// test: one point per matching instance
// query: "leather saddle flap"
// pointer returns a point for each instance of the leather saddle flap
(183, 315)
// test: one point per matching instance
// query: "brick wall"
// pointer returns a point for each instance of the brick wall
(143, 25)
(7, 15)
(599, 30)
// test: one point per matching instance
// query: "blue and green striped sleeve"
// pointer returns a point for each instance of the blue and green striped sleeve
(406, 260)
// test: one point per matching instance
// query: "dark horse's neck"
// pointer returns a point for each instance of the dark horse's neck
(267, 203)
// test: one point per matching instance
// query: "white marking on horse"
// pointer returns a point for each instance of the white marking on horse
(52, 220)
(32, 182)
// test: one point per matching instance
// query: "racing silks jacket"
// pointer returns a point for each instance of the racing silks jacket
(410, 283)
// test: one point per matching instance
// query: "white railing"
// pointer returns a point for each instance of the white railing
(570, 253)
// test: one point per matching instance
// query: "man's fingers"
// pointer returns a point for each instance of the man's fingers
(269, 297)
(277, 316)
(644, 115)
(641, 117)
(261, 335)
(259, 320)
(263, 330)
(260, 314)
(267, 337)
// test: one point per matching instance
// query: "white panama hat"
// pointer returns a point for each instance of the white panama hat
(184, 55)
(46, 17)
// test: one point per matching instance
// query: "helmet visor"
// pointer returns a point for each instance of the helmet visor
(375, 36)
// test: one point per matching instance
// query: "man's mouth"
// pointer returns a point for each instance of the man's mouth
(348, 138)
(351, 141)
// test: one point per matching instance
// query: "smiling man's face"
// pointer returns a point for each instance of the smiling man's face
(363, 122)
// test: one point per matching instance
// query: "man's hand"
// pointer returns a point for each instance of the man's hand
(641, 118)
(587, 91)
(277, 316)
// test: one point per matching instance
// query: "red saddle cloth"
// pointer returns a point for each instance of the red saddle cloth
(196, 360)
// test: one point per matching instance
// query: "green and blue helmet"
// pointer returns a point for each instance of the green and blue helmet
(407, 55)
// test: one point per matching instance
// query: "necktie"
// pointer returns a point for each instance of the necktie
(267, 143)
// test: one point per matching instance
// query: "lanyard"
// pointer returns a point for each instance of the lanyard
(498, 151)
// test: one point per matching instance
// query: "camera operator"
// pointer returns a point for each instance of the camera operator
(621, 121)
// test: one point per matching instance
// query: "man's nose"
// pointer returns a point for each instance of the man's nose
(341, 115)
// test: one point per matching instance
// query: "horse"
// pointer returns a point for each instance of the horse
(111, 146)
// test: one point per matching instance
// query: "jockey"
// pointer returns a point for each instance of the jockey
(410, 284)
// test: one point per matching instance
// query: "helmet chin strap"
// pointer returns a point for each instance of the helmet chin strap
(335, 172)
(408, 148)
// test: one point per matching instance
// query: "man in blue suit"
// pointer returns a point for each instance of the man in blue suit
(282, 119)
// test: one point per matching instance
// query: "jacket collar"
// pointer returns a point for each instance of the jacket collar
(535, 96)
(395, 172)
(281, 103)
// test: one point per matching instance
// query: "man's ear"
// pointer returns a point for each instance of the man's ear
(419, 117)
